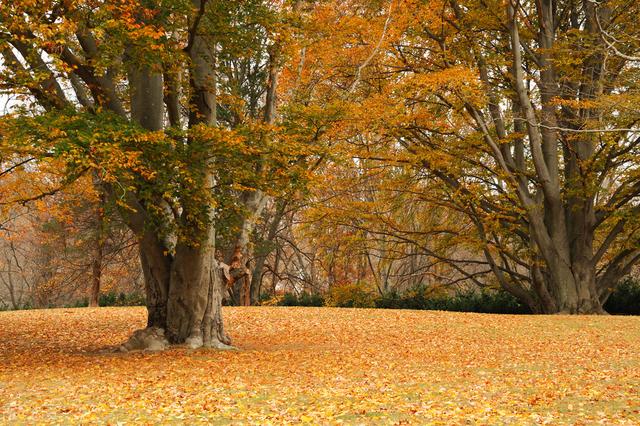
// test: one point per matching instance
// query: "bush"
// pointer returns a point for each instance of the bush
(489, 302)
(292, 299)
(625, 299)
(310, 299)
(413, 299)
(351, 296)
(113, 299)
(497, 302)
(82, 303)
(419, 298)
(131, 299)
(268, 300)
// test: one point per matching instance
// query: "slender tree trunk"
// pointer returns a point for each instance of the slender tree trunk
(261, 257)
(256, 280)
(96, 275)
(239, 261)
(9, 283)
(96, 264)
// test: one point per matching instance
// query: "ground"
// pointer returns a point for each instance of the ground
(324, 366)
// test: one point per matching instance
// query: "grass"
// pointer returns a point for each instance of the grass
(324, 366)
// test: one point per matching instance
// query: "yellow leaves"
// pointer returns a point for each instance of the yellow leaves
(577, 103)
(324, 366)
(453, 77)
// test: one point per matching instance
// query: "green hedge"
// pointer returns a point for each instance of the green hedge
(625, 300)
(495, 302)
(114, 299)
(487, 302)
(302, 299)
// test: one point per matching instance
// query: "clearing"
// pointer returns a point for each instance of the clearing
(324, 366)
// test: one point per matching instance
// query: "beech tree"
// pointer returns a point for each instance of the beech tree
(562, 149)
(521, 114)
(134, 93)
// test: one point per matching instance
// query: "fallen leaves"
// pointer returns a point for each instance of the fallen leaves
(325, 366)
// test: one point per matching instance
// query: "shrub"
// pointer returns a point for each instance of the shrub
(416, 298)
(266, 300)
(292, 299)
(625, 299)
(82, 303)
(112, 299)
(486, 301)
(310, 299)
(121, 299)
(391, 300)
(351, 296)
(289, 299)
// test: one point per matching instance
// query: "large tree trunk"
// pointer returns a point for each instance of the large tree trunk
(562, 287)
(194, 304)
(184, 293)
(576, 294)
(195, 297)
(156, 268)
(563, 274)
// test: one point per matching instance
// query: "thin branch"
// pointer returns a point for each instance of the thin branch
(373, 52)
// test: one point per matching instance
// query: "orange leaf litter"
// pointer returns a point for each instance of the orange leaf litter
(324, 366)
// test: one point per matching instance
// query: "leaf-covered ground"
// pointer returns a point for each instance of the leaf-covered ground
(324, 366)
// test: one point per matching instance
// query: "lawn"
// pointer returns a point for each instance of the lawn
(324, 366)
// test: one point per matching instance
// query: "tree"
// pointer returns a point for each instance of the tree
(375, 223)
(47, 247)
(133, 92)
(521, 115)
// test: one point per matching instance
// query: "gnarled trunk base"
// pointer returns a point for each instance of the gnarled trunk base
(569, 293)
(184, 300)
(582, 307)
(194, 307)
(148, 339)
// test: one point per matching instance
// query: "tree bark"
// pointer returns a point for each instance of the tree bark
(194, 304)
(194, 309)
(156, 267)
(100, 235)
